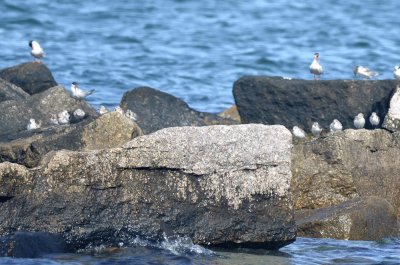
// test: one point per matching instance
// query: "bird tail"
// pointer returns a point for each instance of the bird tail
(91, 91)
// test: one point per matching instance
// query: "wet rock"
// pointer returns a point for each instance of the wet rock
(107, 131)
(156, 110)
(346, 165)
(31, 245)
(32, 77)
(274, 100)
(364, 218)
(392, 119)
(217, 185)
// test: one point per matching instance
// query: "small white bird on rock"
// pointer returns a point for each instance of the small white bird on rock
(335, 126)
(78, 92)
(396, 72)
(102, 110)
(119, 110)
(63, 117)
(316, 129)
(298, 132)
(364, 72)
(32, 125)
(79, 114)
(374, 119)
(315, 67)
(131, 115)
(37, 51)
(359, 121)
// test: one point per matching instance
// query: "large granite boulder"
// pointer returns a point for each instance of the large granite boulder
(332, 170)
(32, 77)
(107, 131)
(275, 100)
(156, 110)
(217, 185)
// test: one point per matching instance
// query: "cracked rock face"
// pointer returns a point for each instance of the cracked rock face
(218, 185)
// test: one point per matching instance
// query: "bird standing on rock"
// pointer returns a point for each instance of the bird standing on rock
(78, 92)
(63, 117)
(298, 132)
(364, 72)
(37, 51)
(359, 121)
(315, 67)
(316, 129)
(396, 72)
(335, 126)
(32, 125)
(374, 119)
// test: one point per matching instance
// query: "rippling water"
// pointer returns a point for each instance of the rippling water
(195, 50)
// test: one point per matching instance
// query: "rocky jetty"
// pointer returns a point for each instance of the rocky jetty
(156, 110)
(275, 100)
(217, 185)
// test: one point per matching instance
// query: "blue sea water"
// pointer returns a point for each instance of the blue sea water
(195, 50)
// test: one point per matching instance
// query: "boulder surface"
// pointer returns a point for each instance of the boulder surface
(217, 185)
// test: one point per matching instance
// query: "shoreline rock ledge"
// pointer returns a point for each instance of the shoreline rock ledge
(218, 185)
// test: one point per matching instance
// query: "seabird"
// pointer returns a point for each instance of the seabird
(364, 72)
(335, 126)
(103, 110)
(63, 117)
(32, 125)
(359, 121)
(298, 132)
(396, 72)
(78, 92)
(374, 119)
(37, 51)
(315, 67)
(316, 129)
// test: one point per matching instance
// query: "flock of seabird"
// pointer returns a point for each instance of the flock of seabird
(64, 116)
(359, 120)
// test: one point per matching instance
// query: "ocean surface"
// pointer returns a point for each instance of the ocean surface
(195, 50)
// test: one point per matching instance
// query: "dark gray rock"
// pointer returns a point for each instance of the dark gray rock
(217, 185)
(274, 100)
(156, 110)
(342, 166)
(31, 245)
(32, 77)
(16, 112)
(9, 91)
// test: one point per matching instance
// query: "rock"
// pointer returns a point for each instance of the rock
(231, 113)
(346, 165)
(31, 245)
(217, 185)
(392, 118)
(274, 100)
(156, 110)
(9, 91)
(32, 77)
(364, 218)
(107, 131)
(17, 112)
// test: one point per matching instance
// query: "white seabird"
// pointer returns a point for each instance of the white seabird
(102, 110)
(32, 125)
(396, 72)
(315, 67)
(119, 110)
(79, 114)
(364, 72)
(298, 132)
(374, 119)
(78, 92)
(335, 126)
(63, 117)
(53, 119)
(131, 115)
(316, 129)
(37, 51)
(359, 121)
